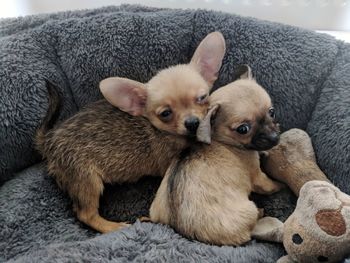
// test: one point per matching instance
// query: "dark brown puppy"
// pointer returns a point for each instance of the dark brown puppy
(205, 192)
(103, 144)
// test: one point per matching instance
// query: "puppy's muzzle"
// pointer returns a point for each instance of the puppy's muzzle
(191, 125)
(263, 142)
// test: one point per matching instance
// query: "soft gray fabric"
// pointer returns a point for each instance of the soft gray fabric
(330, 123)
(307, 74)
(38, 220)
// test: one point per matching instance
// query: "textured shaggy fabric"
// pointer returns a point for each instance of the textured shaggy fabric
(307, 75)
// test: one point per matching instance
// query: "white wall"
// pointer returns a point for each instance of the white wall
(313, 14)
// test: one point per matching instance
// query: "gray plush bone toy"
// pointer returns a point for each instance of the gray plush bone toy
(319, 228)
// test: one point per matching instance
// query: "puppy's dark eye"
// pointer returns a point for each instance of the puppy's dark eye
(272, 112)
(202, 99)
(165, 115)
(243, 129)
(297, 239)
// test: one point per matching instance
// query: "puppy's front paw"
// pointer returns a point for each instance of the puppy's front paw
(277, 187)
(274, 187)
(268, 187)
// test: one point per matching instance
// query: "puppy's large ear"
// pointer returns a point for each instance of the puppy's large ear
(204, 129)
(243, 72)
(127, 95)
(208, 56)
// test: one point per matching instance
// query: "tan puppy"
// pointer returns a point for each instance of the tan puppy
(103, 144)
(205, 192)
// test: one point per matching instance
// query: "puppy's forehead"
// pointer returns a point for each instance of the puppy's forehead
(242, 98)
(244, 89)
(181, 81)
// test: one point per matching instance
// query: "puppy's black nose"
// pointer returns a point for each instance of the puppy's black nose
(263, 142)
(273, 138)
(192, 124)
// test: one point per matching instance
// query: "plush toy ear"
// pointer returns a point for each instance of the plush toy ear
(127, 95)
(208, 56)
(204, 129)
(331, 221)
(268, 229)
(243, 72)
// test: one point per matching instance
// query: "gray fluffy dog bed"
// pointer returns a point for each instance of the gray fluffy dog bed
(307, 75)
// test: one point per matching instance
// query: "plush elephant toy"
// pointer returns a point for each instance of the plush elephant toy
(319, 228)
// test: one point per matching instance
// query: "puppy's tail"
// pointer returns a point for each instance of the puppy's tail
(51, 117)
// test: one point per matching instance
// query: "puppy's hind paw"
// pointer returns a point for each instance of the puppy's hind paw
(108, 227)
(145, 219)
(261, 212)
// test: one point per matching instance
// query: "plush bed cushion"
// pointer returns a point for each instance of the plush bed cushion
(306, 73)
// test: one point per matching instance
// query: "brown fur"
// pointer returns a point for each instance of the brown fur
(51, 116)
(205, 193)
(104, 144)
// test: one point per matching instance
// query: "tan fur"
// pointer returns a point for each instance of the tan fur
(248, 102)
(104, 144)
(167, 90)
(205, 193)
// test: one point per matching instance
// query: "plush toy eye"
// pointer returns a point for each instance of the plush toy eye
(272, 112)
(243, 129)
(165, 115)
(297, 239)
(322, 259)
(202, 99)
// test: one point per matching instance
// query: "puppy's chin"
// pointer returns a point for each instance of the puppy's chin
(181, 133)
(191, 138)
(261, 145)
